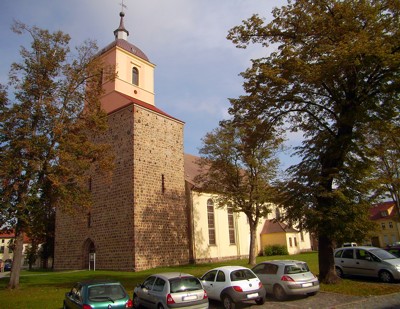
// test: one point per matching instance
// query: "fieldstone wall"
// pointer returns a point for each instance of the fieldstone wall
(139, 218)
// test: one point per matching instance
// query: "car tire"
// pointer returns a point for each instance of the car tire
(160, 306)
(64, 306)
(279, 292)
(136, 302)
(385, 276)
(228, 303)
(339, 272)
(260, 301)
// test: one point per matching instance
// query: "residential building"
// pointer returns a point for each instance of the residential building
(386, 216)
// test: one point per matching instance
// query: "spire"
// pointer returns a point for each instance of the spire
(121, 32)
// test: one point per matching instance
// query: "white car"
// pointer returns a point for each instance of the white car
(170, 290)
(233, 284)
(287, 277)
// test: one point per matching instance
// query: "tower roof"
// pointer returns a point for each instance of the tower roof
(121, 36)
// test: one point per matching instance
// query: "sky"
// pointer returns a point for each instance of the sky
(197, 68)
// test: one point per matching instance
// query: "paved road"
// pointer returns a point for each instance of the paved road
(327, 300)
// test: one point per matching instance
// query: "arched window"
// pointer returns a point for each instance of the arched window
(211, 222)
(135, 76)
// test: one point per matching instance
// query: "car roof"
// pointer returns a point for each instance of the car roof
(171, 275)
(367, 248)
(98, 282)
(229, 268)
(282, 262)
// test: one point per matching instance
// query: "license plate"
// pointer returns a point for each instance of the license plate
(306, 285)
(252, 295)
(190, 297)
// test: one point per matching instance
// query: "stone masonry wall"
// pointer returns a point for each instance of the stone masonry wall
(111, 228)
(160, 213)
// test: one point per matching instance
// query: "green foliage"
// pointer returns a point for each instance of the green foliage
(239, 164)
(45, 147)
(333, 73)
(275, 250)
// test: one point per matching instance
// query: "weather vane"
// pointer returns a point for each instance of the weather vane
(123, 6)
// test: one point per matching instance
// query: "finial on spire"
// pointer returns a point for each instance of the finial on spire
(121, 32)
(123, 6)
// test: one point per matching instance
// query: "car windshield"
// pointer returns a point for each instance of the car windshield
(382, 254)
(242, 274)
(184, 284)
(297, 268)
(106, 292)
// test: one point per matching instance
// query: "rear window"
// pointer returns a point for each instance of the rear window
(242, 274)
(184, 284)
(297, 268)
(104, 292)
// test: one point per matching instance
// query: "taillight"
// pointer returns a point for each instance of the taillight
(170, 300)
(237, 288)
(129, 304)
(287, 278)
(205, 295)
(87, 307)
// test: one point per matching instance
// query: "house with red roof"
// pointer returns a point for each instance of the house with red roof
(385, 215)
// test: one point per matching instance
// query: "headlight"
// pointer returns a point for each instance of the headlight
(397, 267)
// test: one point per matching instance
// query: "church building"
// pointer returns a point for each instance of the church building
(139, 219)
(150, 212)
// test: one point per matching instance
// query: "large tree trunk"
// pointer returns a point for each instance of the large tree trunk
(253, 247)
(17, 260)
(327, 273)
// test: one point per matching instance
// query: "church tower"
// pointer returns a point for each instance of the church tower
(139, 219)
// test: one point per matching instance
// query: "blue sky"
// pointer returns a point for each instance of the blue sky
(197, 68)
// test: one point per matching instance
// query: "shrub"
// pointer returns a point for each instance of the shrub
(275, 250)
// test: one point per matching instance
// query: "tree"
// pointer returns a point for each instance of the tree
(334, 70)
(239, 164)
(47, 134)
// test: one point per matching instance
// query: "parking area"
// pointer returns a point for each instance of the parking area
(326, 300)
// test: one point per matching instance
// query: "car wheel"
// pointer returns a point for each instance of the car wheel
(160, 306)
(385, 276)
(279, 292)
(136, 302)
(228, 302)
(260, 301)
(64, 306)
(339, 272)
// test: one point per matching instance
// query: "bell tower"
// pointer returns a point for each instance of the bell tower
(133, 69)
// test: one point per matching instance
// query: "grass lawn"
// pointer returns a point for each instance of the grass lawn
(45, 290)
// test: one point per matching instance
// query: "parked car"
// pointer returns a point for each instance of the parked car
(170, 290)
(7, 265)
(395, 250)
(95, 294)
(367, 261)
(233, 284)
(286, 277)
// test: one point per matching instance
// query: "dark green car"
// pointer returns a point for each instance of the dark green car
(95, 294)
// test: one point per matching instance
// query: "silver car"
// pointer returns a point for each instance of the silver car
(287, 277)
(170, 290)
(367, 261)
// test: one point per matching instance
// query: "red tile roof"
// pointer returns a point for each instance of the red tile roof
(273, 226)
(383, 210)
(144, 105)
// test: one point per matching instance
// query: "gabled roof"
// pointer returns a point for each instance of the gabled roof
(192, 169)
(383, 210)
(274, 226)
(131, 100)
